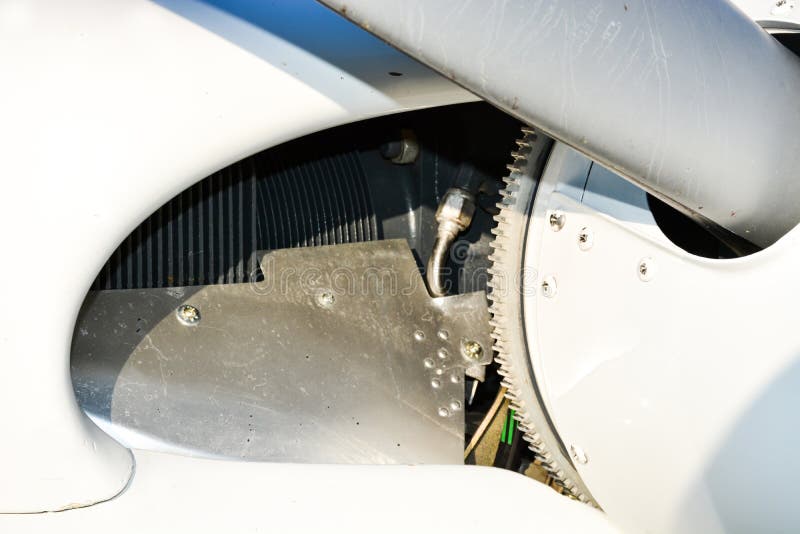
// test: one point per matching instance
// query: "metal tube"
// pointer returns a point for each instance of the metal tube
(454, 215)
(436, 263)
(689, 99)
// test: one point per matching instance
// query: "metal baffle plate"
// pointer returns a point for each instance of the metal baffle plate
(339, 356)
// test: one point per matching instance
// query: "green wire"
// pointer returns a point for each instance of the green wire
(507, 434)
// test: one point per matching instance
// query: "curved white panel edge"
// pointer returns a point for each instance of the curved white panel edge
(108, 110)
(179, 494)
(678, 387)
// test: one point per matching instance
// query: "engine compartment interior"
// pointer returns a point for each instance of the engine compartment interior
(195, 340)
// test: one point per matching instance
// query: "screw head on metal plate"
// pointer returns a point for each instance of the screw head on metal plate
(585, 239)
(549, 287)
(188, 315)
(646, 269)
(557, 220)
(471, 349)
(326, 299)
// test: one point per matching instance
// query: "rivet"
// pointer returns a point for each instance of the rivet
(455, 405)
(429, 363)
(444, 411)
(442, 353)
(188, 315)
(419, 335)
(443, 334)
(436, 383)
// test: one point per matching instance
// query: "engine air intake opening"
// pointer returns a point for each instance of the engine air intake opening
(217, 328)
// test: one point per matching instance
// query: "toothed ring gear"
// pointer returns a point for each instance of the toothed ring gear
(507, 285)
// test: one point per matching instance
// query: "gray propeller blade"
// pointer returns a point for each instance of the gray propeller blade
(689, 99)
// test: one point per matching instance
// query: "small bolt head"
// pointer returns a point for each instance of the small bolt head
(549, 287)
(557, 220)
(471, 350)
(578, 454)
(585, 239)
(326, 299)
(188, 315)
(646, 269)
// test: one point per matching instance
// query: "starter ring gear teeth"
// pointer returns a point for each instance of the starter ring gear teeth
(506, 308)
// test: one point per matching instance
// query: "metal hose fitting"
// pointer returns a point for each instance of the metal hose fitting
(453, 216)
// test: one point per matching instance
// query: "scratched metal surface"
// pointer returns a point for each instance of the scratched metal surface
(275, 371)
(691, 100)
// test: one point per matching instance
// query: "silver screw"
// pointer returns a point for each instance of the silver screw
(436, 383)
(782, 7)
(557, 220)
(646, 269)
(549, 287)
(578, 455)
(326, 299)
(444, 412)
(188, 315)
(455, 405)
(419, 335)
(444, 335)
(429, 363)
(585, 239)
(472, 350)
(442, 353)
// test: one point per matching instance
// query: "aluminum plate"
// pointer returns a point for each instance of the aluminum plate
(339, 356)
